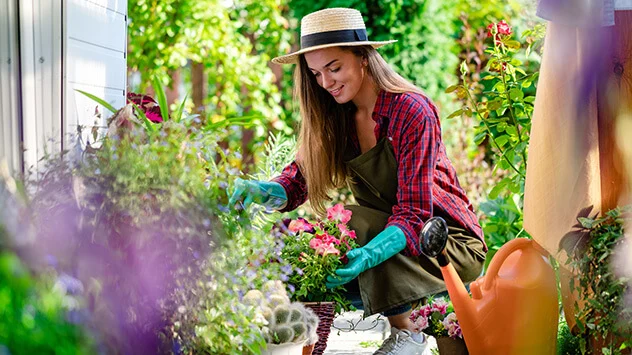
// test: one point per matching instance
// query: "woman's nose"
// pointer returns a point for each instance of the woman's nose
(327, 81)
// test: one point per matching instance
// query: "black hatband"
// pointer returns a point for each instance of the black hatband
(341, 36)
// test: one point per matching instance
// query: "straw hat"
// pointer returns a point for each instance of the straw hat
(330, 28)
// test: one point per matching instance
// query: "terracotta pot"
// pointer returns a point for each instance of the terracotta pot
(451, 346)
(307, 349)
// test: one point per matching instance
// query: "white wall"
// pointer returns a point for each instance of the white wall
(62, 45)
(9, 60)
(40, 59)
(96, 47)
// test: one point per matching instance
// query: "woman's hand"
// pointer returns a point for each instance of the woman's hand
(266, 193)
(389, 242)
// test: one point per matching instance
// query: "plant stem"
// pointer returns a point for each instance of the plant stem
(512, 113)
(489, 132)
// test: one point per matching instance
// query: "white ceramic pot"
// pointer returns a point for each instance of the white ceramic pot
(284, 349)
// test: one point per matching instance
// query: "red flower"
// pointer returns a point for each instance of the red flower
(500, 28)
(147, 104)
(504, 28)
(344, 259)
(490, 29)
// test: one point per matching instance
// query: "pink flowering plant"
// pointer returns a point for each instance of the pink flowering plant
(437, 318)
(315, 250)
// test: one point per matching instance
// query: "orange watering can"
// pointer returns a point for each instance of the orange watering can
(513, 308)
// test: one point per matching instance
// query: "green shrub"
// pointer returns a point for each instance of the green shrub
(604, 318)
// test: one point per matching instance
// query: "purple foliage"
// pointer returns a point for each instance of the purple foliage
(126, 270)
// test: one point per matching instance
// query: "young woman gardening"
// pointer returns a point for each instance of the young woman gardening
(365, 125)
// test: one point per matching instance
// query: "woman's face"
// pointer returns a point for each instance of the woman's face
(338, 71)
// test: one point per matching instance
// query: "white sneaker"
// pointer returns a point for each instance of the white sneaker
(401, 342)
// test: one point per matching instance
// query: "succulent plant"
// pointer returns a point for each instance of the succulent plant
(285, 321)
(291, 322)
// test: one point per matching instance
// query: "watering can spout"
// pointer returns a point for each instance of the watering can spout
(434, 238)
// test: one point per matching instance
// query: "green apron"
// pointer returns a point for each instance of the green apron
(400, 280)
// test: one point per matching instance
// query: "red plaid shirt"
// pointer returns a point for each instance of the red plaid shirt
(428, 184)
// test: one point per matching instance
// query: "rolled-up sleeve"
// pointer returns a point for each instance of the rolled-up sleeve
(294, 184)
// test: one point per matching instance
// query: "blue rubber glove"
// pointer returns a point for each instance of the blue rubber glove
(266, 193)
(389, 242)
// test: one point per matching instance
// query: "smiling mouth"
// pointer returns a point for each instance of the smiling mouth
(337, 91)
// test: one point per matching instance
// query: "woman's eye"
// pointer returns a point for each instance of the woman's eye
(316, 74)
(335, 70)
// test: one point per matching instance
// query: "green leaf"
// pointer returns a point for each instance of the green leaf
(161, 97)
(493, 193)
(456, 113)
(479, 138)
(520, 70)
(502, 140)
(500, 87)
(489, 77)
(586, 222)
(177, 116)
(516, 94)
(512, 44)
(148, 124)
(98, 100)
(452, 88)
(494, 105)
(511, 130)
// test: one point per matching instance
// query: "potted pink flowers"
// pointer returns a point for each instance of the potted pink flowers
(437, 318)
(315, 250)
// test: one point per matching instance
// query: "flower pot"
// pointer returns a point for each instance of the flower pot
(308, 349)
(284, 349)
(451, 346)
(325, 312)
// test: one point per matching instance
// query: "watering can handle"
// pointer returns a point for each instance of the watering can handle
(501, 255)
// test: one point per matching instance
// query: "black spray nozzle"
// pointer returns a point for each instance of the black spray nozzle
(434, 237)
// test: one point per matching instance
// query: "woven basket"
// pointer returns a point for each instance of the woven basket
(325, 312)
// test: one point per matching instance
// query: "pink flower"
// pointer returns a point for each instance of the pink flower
(425, 310)
(339, 214)
(345, 231)
(299, 225)
(451, 324)
(323, 248)
(329, 249)
(329, 239)
(439, 305)
(421, 323)
(419, 320)
(315, 243)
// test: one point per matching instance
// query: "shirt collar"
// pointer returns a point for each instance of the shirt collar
(381, 105)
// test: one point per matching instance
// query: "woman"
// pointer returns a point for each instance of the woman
(365, 125)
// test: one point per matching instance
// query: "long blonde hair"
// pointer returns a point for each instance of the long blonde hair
(326, 126)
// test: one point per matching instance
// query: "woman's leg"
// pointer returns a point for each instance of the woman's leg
(402, 321)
